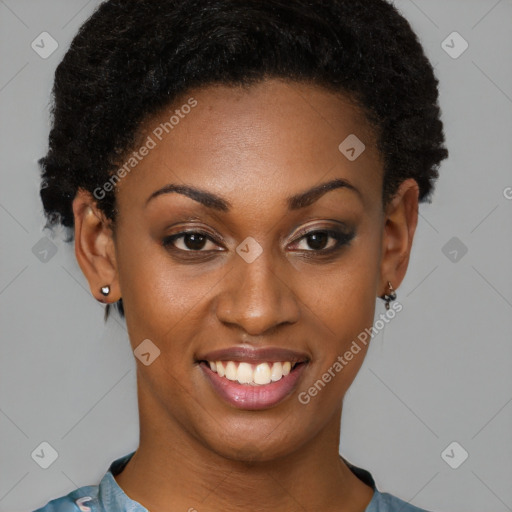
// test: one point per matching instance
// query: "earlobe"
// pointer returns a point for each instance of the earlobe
(400, 221)
(95, 249)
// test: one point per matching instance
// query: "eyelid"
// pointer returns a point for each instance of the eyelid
(342, 235)
(168, 240)
(341, 228)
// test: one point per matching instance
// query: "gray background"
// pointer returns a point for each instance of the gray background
(439, 372)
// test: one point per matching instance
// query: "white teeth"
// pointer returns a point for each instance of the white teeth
(262, 374)
(277, 371)
(246, 373)
(231, 370)
(220, 368)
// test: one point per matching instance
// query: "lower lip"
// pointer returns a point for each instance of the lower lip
(246, 396)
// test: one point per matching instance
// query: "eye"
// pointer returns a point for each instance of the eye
(193, 241)
(318, 240)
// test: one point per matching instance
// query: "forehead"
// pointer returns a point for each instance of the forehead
(275, 136)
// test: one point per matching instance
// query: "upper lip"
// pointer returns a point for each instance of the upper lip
(254, 355)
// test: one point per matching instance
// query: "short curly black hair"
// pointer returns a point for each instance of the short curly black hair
(132, 58)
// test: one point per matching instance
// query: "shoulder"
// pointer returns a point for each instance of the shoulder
(94, 498)
(84, 499)
(381, 501)
(385, 502)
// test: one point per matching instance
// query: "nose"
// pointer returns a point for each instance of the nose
(257, 296)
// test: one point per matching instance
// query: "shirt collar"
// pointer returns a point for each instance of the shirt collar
(111, 495)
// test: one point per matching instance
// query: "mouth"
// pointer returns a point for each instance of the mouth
(252, 374)
(253, 378)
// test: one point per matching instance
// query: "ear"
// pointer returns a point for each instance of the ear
(400, 220)
(94, 247)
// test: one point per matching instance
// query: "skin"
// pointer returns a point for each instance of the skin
(254, 147)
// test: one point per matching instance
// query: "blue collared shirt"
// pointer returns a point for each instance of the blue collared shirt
(109, 497)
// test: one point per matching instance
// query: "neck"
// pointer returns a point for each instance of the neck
(172, 466)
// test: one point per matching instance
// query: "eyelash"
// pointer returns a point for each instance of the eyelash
(342, 239)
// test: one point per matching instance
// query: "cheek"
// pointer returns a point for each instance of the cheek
(343, 296)
(341, 303)
(162, 299)
(343, 307)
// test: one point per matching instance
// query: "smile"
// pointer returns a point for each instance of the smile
(252, 374)
(253, 386)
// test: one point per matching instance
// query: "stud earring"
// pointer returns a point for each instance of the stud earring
(388, 297)
(105, 290)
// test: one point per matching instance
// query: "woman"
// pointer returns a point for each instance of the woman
(242, 178)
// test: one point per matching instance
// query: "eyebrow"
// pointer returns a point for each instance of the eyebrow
(295, 202)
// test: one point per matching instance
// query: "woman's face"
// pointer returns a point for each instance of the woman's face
(247, 277)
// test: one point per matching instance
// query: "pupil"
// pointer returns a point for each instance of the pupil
(315, 245)
(197, 241)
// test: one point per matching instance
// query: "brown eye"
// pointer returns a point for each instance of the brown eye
(318, 240)
(193, 241)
